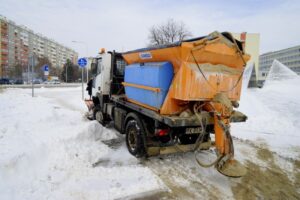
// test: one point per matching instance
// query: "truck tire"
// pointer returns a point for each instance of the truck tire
(98, 115)
(134, 138)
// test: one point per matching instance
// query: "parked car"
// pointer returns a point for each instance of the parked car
(37, 81)
(52, 82)
(12, 81)
(19, 82)
(55, 82)
(4, 81)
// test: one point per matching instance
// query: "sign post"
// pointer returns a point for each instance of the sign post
(82, 63)
(46, 70)
(32, 62)
(32, 73)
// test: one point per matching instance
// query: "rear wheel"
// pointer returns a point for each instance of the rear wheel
(134, 138)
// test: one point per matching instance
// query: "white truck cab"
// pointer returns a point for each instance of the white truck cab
(108, 73)
(101, 67)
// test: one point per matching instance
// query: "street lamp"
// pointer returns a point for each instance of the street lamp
(86, 49)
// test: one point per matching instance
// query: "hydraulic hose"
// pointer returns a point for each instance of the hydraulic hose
(200, 140)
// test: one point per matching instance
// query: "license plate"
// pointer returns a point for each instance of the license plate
(193, 130)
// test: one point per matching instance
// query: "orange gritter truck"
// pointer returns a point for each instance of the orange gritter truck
(174, 98)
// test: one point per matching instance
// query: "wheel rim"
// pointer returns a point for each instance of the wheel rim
(99, 116)
(132, 138)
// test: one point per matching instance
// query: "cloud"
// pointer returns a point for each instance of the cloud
(124, 25)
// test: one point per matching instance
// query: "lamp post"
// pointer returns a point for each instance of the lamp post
(86, 49)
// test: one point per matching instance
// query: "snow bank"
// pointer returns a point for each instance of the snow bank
(49, 151)
(273, 112)
(280, 74)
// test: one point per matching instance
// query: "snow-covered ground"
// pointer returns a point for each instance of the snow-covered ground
(273, 113)
(48, 150)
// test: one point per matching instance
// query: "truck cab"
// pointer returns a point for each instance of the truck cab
(101, 67)
(108, 72)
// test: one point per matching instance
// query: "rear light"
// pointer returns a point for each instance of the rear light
(162, 132)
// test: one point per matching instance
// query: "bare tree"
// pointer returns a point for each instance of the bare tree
(168, 32)
(72, 70)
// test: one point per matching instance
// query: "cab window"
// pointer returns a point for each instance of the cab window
(99, 65)
(94, 67)
(120, 66)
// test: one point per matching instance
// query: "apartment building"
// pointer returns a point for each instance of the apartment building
(290, 57)
(3, 47)
(19, 42)
(251, 44)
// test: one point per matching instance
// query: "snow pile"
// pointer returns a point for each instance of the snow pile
(49, 151)
(279, 73)
(273, 112)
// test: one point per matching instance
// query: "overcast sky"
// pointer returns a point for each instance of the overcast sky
(124, 25)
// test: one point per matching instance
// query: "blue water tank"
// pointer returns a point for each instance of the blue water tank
(152, 74)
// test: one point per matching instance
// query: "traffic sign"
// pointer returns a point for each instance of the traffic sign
(46, 68)
(82, 62)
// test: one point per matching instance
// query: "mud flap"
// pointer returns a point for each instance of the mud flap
(89, 104)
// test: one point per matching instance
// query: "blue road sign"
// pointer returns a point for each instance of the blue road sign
(82, 62)
(46, 68)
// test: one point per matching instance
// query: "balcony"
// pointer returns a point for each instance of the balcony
(4, 61)
(4, 27)
(4, 40)
(4, 53)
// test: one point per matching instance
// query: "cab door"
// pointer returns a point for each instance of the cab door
(101, 81)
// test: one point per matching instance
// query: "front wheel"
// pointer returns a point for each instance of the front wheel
(98, 115)
(134, 138)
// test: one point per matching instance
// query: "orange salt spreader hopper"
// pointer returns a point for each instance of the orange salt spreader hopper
(207, 77)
